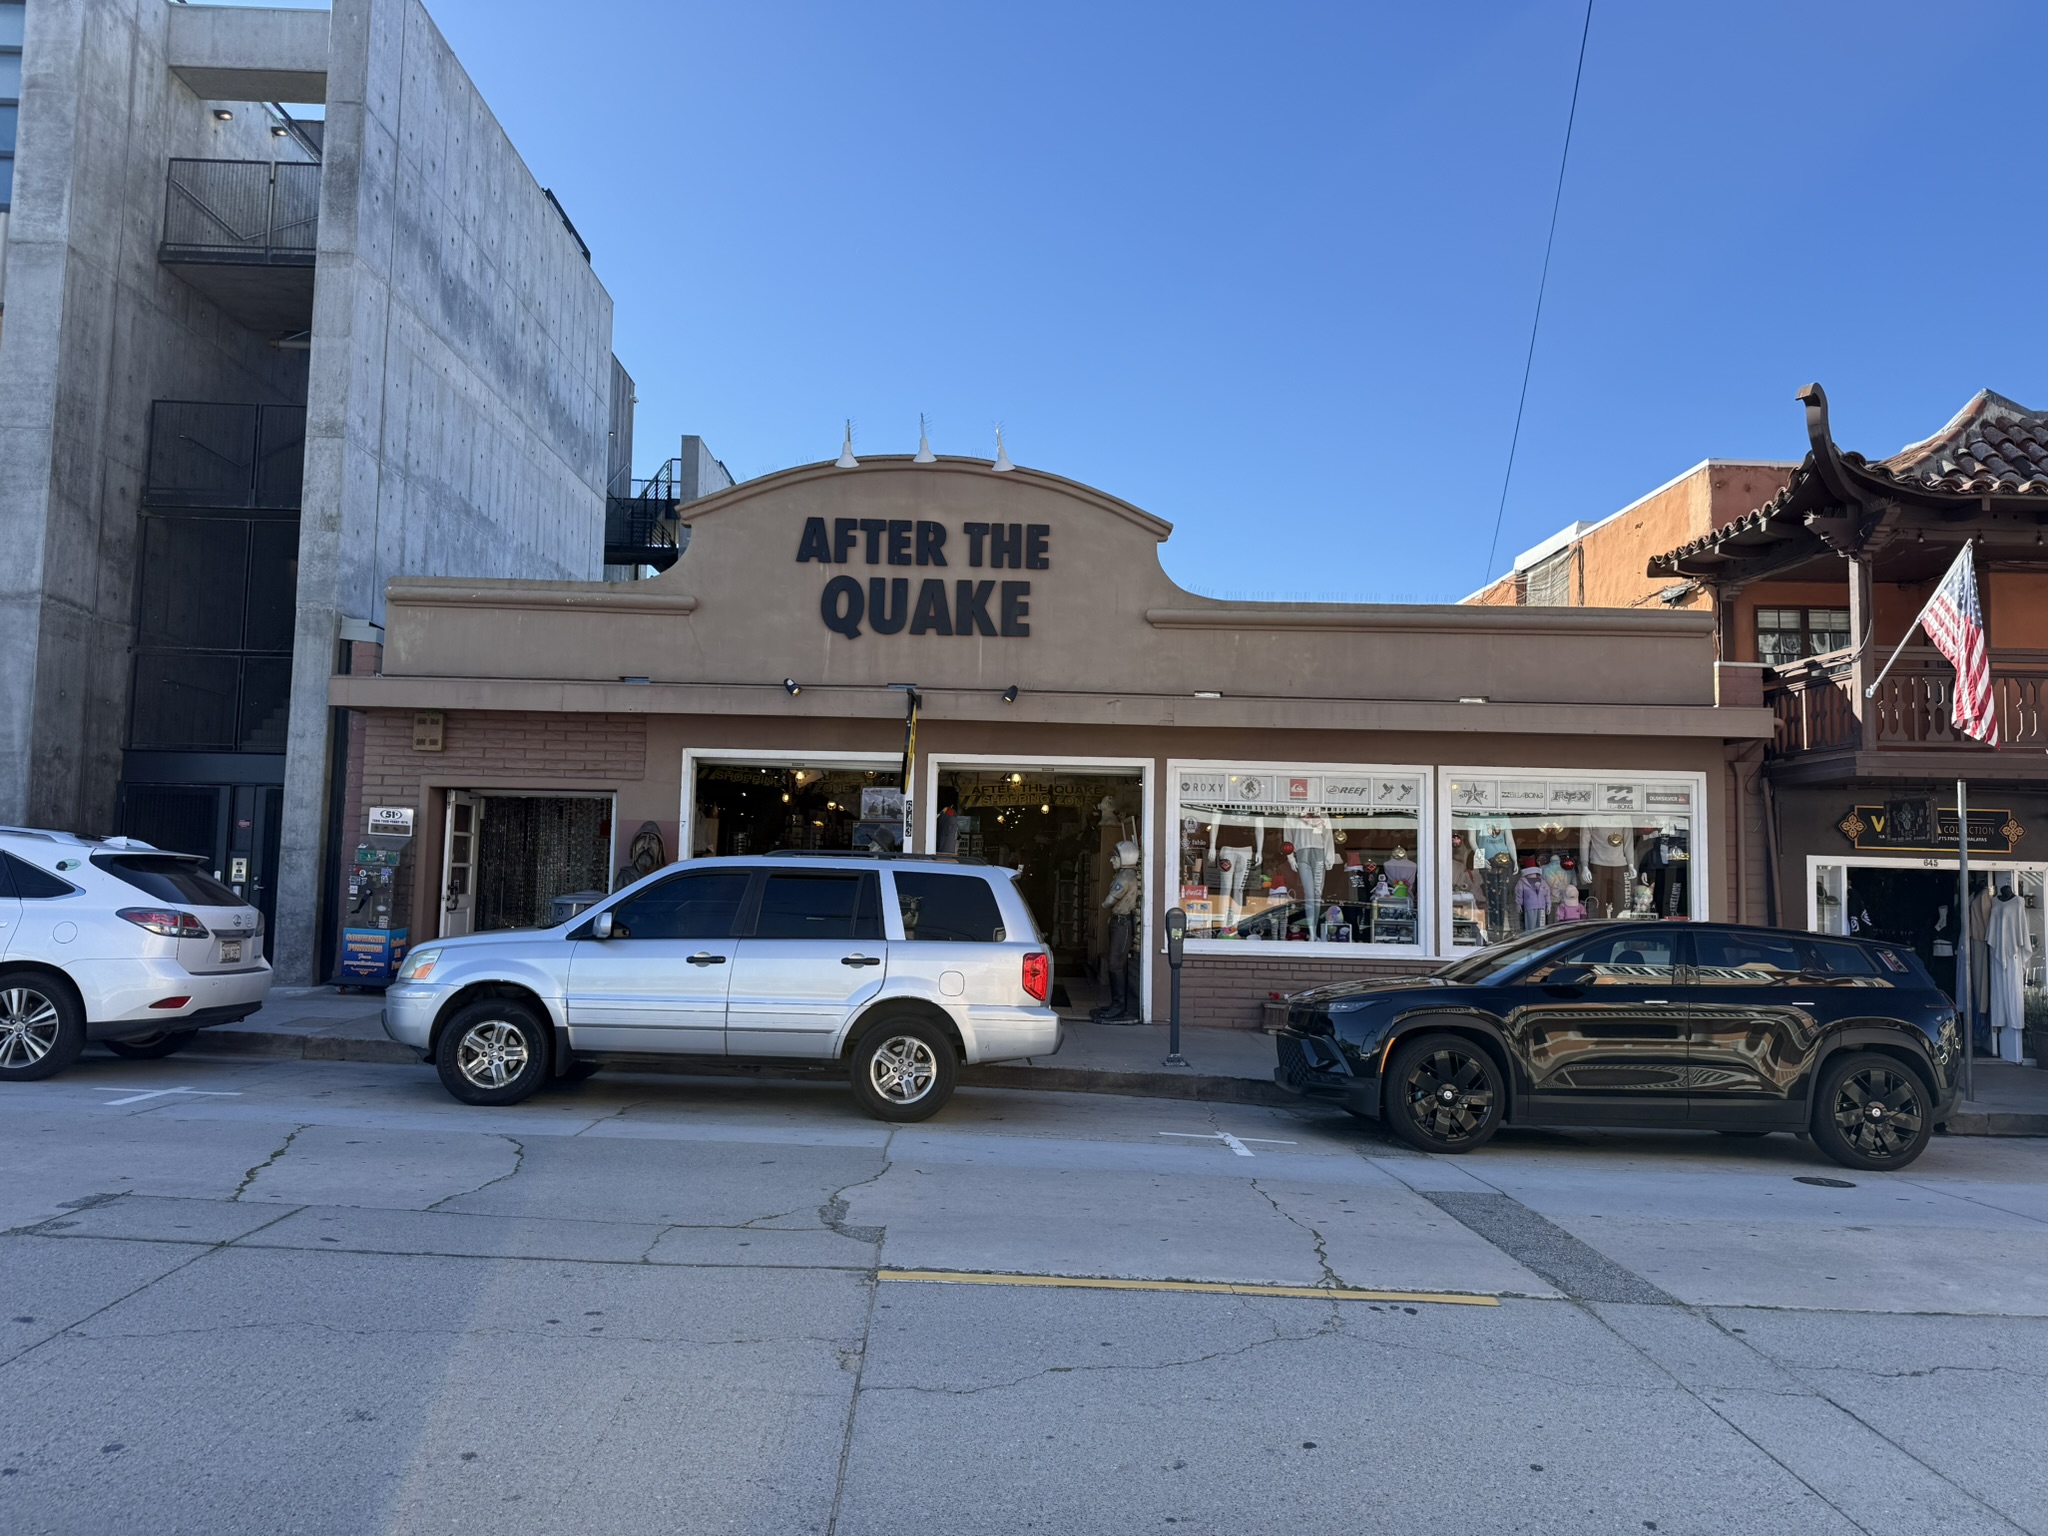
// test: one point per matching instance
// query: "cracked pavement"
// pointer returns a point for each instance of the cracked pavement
(336, 1301)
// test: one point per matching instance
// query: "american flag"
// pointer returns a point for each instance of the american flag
(1955, 624)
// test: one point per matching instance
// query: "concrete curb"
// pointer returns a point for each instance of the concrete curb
(1150, 1085)
(1193, 1086)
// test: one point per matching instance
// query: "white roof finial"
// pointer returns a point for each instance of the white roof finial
(846, 458)
(924, 444)
(1002, 464)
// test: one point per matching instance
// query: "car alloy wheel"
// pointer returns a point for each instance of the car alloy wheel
(1878, 1112)
(902, 1070)
(1448, 1095)
(492, 1053)
(1444, 1093)
(30, 1024)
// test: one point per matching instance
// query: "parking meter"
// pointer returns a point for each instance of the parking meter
(1176, 938)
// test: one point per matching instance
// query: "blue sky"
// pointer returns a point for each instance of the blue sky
(1267, 271)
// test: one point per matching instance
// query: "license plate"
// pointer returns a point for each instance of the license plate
(230, 950)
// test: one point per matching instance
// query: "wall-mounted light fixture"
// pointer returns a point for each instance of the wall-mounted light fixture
(223, 115)
(1010, 694)
(279, 131)
(791, 687)
(1207, 693)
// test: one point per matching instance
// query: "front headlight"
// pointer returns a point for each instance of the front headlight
(419, 965)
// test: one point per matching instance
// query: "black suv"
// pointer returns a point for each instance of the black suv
(1709, 1025)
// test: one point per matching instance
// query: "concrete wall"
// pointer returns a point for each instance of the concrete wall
(95, 331)
(458, 406)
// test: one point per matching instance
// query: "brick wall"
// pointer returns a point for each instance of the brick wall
(497, 749)
(1231, 994)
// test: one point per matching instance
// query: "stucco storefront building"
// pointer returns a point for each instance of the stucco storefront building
(1329, 790)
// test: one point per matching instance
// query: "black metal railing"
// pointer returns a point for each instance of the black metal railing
(209, 454)
(242, 211)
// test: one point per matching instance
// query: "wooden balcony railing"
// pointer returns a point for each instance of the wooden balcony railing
(1818, 710)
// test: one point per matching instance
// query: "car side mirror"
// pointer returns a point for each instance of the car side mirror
(1569, 976)
(601, 926)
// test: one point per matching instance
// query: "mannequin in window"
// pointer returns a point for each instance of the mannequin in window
(1500, 895)
(1570, 909)
(1532, 897)
(2007, 944)
(1401, 870)
(1461, 863)
(1125, 898)
(1608, 854)
(1314, 851)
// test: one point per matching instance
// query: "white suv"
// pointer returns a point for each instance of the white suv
(902, 967)
(109, 939)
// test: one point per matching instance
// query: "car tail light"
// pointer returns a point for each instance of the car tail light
(169, 922)
(1038, 975)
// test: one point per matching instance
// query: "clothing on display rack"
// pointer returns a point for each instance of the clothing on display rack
(2007, 944)
(1608, 855)
(1980, 969)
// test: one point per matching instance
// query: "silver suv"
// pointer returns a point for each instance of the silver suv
(903, 968)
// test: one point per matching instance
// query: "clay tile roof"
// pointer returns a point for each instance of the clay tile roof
(1994, 446)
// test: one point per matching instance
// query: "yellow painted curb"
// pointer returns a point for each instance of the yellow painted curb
(1211, 1287)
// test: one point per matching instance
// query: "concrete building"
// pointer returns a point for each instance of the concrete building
(252, 369)
(1328, 790)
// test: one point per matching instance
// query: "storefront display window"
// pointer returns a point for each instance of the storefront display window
(1307, 855)
(1529, 850)
(753, 808)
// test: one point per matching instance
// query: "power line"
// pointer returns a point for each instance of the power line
(1542, 282)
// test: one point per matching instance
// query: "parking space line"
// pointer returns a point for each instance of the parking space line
(1200, 1287)
(158, 1093)
(1235, 1143)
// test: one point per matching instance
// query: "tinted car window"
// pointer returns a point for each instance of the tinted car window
(32, 884)
(820, 906)
(956, 907)
(1724, 959)
(1620, 959)
(687, 907)
(167, 878)
(1837, 959)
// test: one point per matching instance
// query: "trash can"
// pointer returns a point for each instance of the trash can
(562, 908)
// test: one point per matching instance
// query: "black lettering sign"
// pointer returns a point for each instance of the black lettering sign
(930, 616)
(970, 607)
(1016, 608)
(886, 618)
(842, 606)
(884, 604)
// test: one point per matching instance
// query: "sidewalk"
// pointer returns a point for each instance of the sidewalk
(1225, 1066)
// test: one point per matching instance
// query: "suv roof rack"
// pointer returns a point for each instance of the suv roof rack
(872, 853)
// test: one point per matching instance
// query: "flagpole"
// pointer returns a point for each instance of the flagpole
(1871, 691)
(1964, 955)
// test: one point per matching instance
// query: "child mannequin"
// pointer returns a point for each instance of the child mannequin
(1570, 909)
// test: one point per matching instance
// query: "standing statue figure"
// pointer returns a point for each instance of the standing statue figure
(1126, 896)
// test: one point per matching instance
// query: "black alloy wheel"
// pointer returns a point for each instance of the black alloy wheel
(42, 1026)
(1871, 1112)
(1444, 1094)
(153, 1047)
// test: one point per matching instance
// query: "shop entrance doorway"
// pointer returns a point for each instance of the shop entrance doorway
(510, 856)
(1912, 902)
(1059, 827)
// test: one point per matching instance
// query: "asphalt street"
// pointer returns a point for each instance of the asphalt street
(299, 1296)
